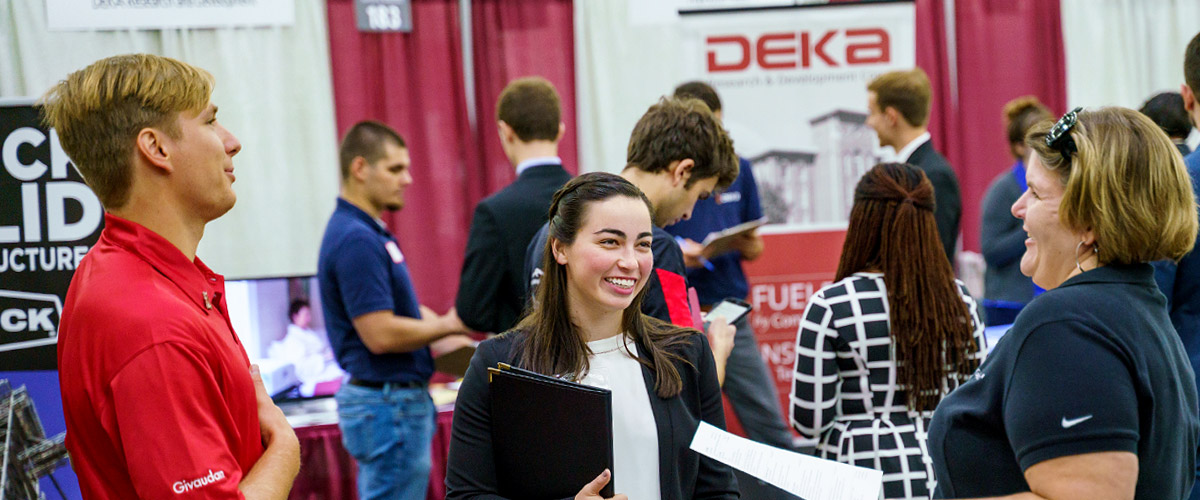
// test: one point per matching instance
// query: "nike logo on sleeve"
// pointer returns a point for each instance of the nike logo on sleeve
(1069, 423)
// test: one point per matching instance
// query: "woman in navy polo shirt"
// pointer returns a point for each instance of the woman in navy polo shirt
(1090, 395)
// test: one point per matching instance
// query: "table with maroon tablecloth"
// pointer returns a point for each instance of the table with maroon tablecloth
(328, 473)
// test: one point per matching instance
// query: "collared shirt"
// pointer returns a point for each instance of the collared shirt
(156, 386)
(361, 270)
(1090, 366)
(541, 160)
(906, 152)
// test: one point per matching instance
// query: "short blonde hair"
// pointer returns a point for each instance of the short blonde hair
(906, 91)
(1127, 182)
(99, 110)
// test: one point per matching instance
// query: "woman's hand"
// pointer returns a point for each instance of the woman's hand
(591, 491)
(720, 337)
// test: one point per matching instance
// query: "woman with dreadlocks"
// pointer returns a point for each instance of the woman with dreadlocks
(878, 348)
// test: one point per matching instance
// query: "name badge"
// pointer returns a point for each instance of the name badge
(394, 251)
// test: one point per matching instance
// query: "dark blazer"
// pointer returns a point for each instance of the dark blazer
(683, 473)
(492, 287)
(945, 191)
(1002, 241)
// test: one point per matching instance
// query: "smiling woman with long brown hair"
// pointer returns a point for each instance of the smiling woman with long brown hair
(588, 326)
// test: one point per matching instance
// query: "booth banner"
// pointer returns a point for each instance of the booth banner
(794, 84)
(48, 220)
(795, 265)
(81, 15)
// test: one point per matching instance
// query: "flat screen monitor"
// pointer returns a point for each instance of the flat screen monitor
(282, 326)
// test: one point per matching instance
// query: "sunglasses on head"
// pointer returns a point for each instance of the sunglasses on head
(1059, 138)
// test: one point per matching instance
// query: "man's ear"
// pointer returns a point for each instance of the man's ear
(681, 171)
(893, 116)
(559, 250)
(151, 146)
(507, 135)
(1189, 103)
(358, 168)
(562, 129)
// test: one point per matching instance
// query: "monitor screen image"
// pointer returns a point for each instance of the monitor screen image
(281, 325)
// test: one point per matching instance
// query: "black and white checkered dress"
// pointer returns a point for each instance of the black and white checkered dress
(845, 400)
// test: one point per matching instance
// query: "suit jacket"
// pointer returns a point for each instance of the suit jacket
(683, 473)
(492, 287)
(945, 191)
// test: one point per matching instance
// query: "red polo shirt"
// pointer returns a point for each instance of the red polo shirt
(156, 386)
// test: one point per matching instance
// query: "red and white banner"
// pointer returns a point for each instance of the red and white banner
(780, 285)
(794, 84)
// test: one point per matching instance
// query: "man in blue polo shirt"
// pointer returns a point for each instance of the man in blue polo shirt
(379, 331)
(747, 380)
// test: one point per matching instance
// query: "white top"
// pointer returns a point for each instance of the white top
(910, 148)
(635, 436)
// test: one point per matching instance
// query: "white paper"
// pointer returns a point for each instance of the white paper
(808, 477)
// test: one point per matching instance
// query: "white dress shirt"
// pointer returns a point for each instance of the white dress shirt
(635, 435)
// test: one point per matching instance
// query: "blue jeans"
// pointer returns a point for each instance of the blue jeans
(389, 433)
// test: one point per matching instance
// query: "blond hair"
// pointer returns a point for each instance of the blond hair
(1127, 182)
(906, 91)
(99, 110)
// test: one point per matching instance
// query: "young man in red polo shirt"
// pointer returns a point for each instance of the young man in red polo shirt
(159, 397)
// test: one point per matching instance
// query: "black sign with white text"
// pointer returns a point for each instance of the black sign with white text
(48, 220)
(381, 16)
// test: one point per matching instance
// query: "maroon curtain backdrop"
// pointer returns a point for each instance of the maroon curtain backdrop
(414, 83)
(511, 40)
(1005, 49)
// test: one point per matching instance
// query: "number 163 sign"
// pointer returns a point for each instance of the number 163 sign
(383, 15)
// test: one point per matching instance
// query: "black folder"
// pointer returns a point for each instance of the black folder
(550, 437)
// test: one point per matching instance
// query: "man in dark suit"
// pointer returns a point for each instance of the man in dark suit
(899, 113)
(491, 292)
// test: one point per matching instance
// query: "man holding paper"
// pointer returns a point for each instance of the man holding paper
(718, 276)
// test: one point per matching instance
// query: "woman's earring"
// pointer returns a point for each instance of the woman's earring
(1095, 250)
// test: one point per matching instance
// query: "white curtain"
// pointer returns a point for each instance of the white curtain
(275, 94)
(1121, 52)
(609, 103)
